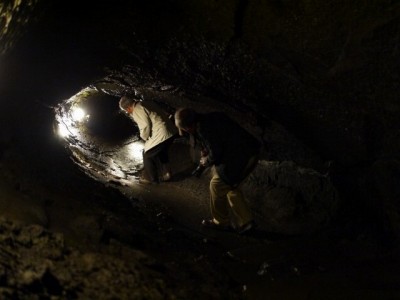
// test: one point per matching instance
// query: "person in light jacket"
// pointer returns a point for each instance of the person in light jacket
(158, 132)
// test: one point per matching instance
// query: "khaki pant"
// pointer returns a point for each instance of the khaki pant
(224, 198)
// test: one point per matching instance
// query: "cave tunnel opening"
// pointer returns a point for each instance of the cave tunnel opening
(102, 140)
(105, 120)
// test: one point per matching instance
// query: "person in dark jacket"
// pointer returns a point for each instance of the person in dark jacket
(233, 152)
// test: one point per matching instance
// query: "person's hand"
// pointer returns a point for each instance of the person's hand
(203, 160)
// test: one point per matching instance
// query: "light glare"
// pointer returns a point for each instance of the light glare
(62, 130)
(77, 114)
(136, 150)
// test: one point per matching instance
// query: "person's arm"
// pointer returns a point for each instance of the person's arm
(141, 117)
(216, 132)
(212, 145)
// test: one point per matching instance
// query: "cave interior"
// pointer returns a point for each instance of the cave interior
(316, 83)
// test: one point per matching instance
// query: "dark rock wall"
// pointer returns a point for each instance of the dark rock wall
(15, 16)
(326, 70)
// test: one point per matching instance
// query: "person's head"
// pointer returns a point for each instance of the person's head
(127, 103)
(185, 120)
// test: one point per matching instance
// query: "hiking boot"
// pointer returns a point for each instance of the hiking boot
(209, 223)
(165, 170)
(144, 180)
(166, 177)
(246, 228)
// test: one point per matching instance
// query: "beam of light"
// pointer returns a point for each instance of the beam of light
(135, 151)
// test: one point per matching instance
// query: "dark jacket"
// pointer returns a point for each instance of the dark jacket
(229, 146)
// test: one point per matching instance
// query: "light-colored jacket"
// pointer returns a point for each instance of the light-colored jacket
(154, 125)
